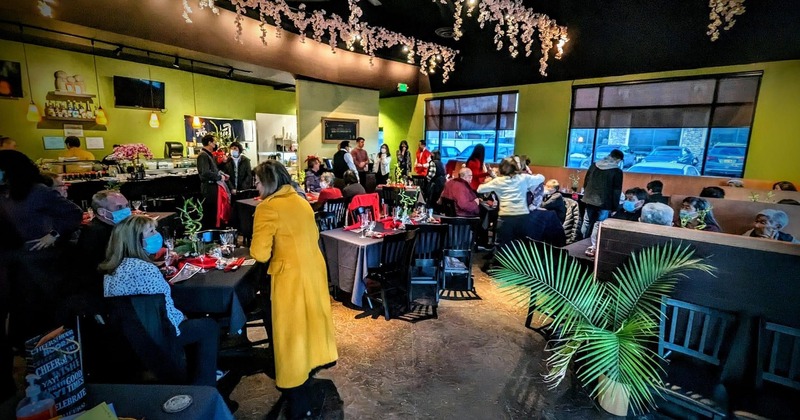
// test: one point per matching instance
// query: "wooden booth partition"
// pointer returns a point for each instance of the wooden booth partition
(754, 278)
(736, 217)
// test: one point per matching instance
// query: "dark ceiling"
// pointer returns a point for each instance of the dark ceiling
(607, 37)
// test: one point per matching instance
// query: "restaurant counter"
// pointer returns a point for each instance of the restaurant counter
(162, 186)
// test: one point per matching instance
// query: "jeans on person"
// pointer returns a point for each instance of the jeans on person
(200, 339)
(593, 215)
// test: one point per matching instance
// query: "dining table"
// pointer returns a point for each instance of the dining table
(220, 294)
(348, 257)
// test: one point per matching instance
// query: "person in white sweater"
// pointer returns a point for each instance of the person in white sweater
(511, 188)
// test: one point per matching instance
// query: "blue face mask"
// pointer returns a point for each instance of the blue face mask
(235, 153)
(120, 215)
(629, 206)
(153, 243)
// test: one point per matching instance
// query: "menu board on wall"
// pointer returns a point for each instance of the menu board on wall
(335, 130)
(230, 129)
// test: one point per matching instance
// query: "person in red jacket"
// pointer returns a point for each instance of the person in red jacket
(476, 164)
(423, 159)
(327, 191)
(465, 198)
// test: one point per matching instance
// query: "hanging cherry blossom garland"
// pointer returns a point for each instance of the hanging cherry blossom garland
(353, 32)
(515, 23)
(723, 11)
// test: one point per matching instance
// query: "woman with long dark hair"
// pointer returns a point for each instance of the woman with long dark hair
(285, 235)
(404, 159)
(476, 163)
(384, 164)
(696, 214)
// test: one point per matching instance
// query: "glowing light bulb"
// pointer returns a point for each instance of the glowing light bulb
(196, 122)
(100, 116)
(154, 122)
(33, 113)
(405, 48)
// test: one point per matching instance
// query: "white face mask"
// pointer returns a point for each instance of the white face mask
(235, 153)
(323, 184)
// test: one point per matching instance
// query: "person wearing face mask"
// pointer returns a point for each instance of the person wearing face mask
(631, 208)
(602, 188)
(696, 214)
(110, 208)
(129, 270)
(768, 225)
(210, 175)
(553, 200)
(239, 169)
(327, 191)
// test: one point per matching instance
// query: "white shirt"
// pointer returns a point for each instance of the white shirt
(512, 192)
(348, 159)
(383, 165)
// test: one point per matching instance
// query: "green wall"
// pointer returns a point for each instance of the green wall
(543, 118)
(215, 98)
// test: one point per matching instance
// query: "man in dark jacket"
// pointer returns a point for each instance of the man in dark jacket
(343, 161)
(240, 170)
(209, 175)
(602, 187)
(654, 189)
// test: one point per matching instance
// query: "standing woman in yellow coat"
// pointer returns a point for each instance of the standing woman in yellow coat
(285, 234)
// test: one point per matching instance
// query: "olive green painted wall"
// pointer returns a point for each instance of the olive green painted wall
(543, 117)
(215, 98)
(395, 117)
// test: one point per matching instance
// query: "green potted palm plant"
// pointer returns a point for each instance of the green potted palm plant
(608, 330)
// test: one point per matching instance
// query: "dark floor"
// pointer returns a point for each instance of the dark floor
(476, 361)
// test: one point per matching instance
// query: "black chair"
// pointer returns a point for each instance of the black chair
(397, 251)
(326, 220)
(776, 393)
(357, 213)
(338, 207)
(449, 207)
(457, 249)
(427, 264)
(694, 340)
(141, 322)
(389, 196)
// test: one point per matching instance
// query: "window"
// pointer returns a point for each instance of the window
(687, 126)
(455, 125)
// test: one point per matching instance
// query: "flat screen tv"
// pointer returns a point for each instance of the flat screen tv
(138, 93)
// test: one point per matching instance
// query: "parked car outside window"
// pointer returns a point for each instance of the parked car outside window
(725, 159)
(675, 154)
(668, 168)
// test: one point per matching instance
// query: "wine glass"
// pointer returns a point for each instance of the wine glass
(226, 238)
(136, 204)
(370, 228)
(364, 224)
(144, 203)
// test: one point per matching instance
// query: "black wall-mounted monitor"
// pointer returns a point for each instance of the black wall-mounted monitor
(138, 93)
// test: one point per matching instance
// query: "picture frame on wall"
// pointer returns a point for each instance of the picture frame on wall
(335, 130)
(10, 79)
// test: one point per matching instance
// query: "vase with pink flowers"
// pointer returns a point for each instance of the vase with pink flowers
(129, 156)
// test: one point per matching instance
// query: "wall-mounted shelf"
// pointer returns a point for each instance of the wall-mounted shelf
(69, 119)
(70, 94)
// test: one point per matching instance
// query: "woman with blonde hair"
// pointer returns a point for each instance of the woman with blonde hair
(129, 271)
(285, 234)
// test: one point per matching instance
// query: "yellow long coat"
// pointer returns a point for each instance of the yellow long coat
(285, 234)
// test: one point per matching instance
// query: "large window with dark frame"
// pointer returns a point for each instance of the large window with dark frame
(698, 126)
(455, 125)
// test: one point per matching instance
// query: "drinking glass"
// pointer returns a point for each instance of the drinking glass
(226, 238)
(136, 204)
(144, 203)
(370, 228)
(364, 224)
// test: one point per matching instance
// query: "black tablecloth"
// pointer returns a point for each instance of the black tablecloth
(219, 293)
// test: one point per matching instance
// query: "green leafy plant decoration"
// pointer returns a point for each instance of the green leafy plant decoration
(575, 179)
(608, 327)
(113, 186)
(190, 216)
(406, 201)
(398, 174)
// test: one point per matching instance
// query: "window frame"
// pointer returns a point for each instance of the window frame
(712, 106)
(497, 114)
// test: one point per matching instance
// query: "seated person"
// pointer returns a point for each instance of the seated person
(768, 224)
(553, 200)
(110, 208)
(631, 208)
(654, 189)
(313, 174)
(55, 181)
(784, 186)
(696, 214)
(543, 224)
(129, 271)
(327, 191)
(657, 214)
(712, 192)
(462, 194)
(352, 187)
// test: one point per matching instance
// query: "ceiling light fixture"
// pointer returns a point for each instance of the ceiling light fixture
(99, 115)
(723, 11)
(33, 114)
(176, 63)
(154, 122)
(230, 73)
(118, 51)
(351, 30)
(196, 123)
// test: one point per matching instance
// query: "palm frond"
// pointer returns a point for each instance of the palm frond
(648, 275)
(562, 288)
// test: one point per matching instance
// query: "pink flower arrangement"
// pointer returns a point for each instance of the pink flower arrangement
(132, 152)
